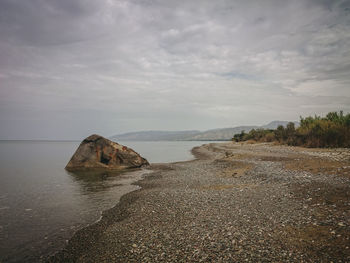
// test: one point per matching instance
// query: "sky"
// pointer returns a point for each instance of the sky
(70, 68)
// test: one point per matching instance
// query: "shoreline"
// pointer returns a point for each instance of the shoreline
(105, 215)
(115, 214)
(113, 237)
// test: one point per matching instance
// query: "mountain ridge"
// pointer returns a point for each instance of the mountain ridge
(220, 134)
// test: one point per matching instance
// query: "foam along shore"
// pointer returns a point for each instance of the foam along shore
(234, 203)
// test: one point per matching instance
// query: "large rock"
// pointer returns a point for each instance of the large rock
(98, 152)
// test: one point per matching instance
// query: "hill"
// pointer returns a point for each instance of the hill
(155, 136)
(274, 124)
(223, 134)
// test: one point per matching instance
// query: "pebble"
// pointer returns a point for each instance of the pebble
(188, 212)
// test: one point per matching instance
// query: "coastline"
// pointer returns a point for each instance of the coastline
(232, 202)
(91, 232)
(93, 227)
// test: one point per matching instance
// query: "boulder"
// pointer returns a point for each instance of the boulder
(98, 152)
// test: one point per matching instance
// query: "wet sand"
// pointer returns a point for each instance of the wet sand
(234, 203)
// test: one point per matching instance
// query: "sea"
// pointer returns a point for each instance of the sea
(42, 205)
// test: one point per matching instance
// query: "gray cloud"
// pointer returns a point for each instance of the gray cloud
(69, 68)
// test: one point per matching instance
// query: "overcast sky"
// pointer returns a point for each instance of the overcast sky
(69, 68)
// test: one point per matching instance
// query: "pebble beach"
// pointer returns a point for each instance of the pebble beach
(236, 202)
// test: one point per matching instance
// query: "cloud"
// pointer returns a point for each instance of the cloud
(142, 64)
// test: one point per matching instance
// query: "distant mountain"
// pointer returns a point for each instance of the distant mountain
(274, 124)
(224, 134)
(220, 134)
(155, 136)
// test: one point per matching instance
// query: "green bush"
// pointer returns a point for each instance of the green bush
(330, 131)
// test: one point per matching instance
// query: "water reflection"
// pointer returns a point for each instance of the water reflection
(94, 180)
(41, 204)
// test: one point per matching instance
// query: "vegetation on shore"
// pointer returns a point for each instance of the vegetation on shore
(330, 131)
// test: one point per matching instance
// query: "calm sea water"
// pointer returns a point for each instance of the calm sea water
(42, 205)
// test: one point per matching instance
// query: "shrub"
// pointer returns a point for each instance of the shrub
(330, 131)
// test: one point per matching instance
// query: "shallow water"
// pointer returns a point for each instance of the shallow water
(164, 151)
(41, 205)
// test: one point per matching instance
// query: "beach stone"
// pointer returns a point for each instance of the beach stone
(98, 152)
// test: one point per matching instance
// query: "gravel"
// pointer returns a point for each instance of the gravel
(201, 211)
